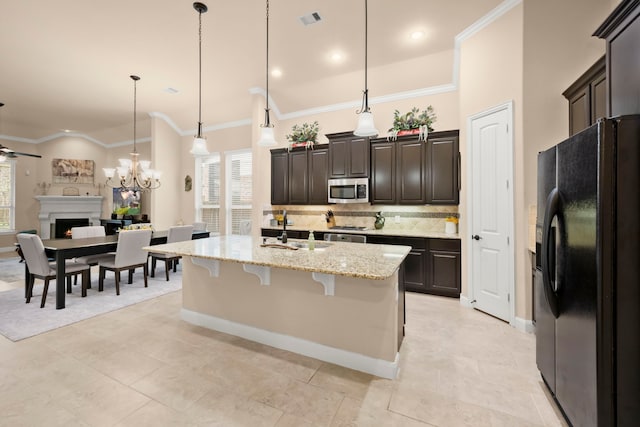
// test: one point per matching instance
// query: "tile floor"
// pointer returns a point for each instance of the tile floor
(143, 366)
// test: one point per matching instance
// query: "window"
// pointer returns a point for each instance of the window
(239, 191)
(208, 191)
(7, 196)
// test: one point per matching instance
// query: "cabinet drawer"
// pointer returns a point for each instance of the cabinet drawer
(452, 245)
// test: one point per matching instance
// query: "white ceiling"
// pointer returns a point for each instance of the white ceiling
(65, 64)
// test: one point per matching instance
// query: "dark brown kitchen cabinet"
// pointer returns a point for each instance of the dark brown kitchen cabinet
(318, 173)
(431, 267)
(621, 30)
(443, 163)
(299, 176)
(348, 156)
(279, 177)
(383, 172)
(587, 98)
(443, 267)
(411, 176)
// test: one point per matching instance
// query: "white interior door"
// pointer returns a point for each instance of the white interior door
(491, 276)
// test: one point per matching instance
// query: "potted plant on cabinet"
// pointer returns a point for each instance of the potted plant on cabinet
(413, 122)
(304, 135)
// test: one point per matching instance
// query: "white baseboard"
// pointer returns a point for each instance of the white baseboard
(524, 325)
(464, 301)
(359, 362)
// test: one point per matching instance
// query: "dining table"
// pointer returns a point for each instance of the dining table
(63, 249)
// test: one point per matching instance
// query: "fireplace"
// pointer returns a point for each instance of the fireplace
(55, 208)
(63, 226)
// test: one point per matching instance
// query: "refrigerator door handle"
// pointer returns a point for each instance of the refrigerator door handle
(548, 270)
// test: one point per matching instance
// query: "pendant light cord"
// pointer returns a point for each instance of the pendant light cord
(267, 119)
(199, 73)
(365, 97)
(135, 122)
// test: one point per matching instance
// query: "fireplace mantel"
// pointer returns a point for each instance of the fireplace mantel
(54, 207)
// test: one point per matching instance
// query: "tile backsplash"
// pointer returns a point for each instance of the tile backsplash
(426, 218)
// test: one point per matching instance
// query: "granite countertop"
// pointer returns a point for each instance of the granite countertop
(365, 261)
(374, 232)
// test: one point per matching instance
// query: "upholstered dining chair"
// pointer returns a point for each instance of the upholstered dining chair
(40, 267)
(129, 256)
(178, 233)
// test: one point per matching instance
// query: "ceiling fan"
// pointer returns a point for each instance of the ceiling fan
(8, 153)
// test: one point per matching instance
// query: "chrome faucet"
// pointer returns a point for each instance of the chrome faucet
(284, 226)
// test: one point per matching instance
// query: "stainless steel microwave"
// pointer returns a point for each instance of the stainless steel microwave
(349, 190)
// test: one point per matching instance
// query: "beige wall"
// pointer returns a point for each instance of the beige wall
(491, 75)
(165, 149)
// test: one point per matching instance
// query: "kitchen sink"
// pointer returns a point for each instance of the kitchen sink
(305, 245)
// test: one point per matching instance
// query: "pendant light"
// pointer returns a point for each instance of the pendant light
(266, 133)
(199, 147)
(365, 119)
(133, 175)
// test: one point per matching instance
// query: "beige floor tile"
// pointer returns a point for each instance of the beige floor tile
(310, 402)
(224, 408)
(346, 381)
(176, 387)
(142, 365)
(155, 414)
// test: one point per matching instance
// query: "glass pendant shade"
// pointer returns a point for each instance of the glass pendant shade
(199, 147)
(266, 137)
(365, 125)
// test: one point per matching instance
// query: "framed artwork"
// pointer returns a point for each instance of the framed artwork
(72, 171)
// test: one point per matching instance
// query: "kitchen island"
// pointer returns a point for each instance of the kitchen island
(339, 303)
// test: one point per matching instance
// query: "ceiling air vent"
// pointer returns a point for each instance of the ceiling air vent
(311, 18)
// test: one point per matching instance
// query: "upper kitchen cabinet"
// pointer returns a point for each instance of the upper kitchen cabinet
(348, 155)
(621, 30)
(299, 176)
(411, 172)
(398, 171)
(587, 97)
(443, 168)
(318, 173)
(279, 176)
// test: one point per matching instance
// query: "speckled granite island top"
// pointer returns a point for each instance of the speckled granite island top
(366, 261)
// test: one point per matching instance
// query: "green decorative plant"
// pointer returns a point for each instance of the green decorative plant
(414, 119)
(306, 133)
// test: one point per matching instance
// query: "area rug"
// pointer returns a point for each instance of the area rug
(11, 269)
(19, 320)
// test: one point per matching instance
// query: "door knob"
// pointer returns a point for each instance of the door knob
(476, 237)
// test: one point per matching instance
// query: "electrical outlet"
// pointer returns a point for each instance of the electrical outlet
(397, 219)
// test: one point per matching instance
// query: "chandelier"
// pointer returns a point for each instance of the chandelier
(133, 175)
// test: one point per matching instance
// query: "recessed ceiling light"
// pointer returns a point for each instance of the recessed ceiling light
(67, 130)
(171, 90)
(336, 56)
(276, 72)
(417, 35)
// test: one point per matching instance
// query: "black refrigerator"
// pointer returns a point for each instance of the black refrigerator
(587, 278)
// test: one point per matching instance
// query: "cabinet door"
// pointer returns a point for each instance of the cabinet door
(411, 172)
(383, 173)
(443, 267)
(279, 177)
(318, 168)
(579, 111)
(598, 97)
(414, 271)
(338, 153)
(298, 178)
(442, 166)
(358, 158)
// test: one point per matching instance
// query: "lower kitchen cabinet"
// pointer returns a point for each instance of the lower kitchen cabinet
(443, 267)
(431, 267)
